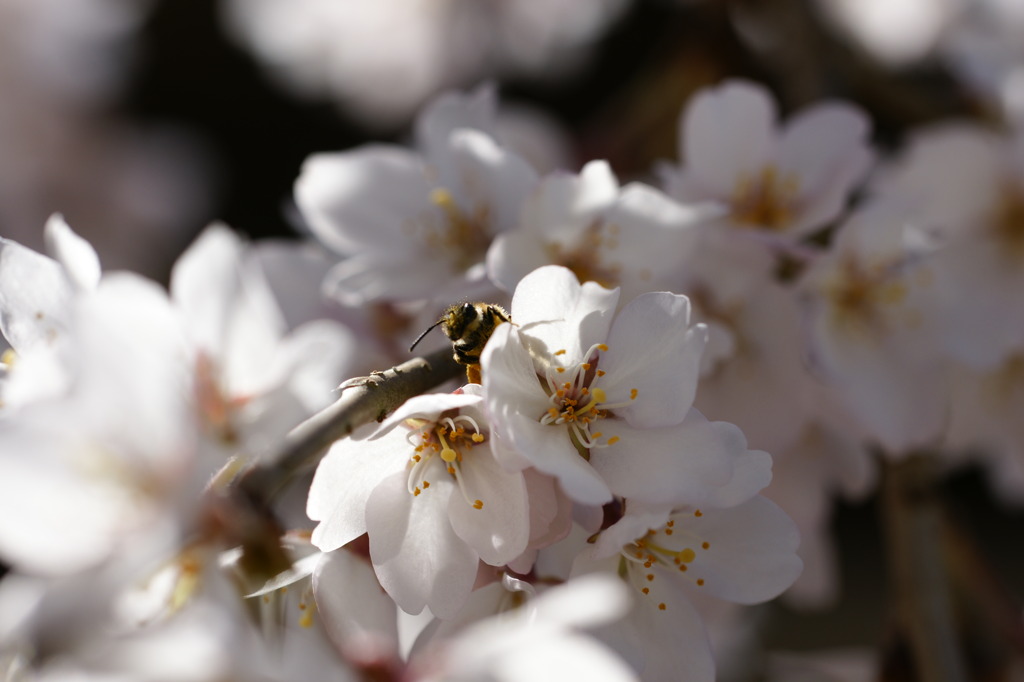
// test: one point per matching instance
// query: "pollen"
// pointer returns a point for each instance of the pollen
(478, 504)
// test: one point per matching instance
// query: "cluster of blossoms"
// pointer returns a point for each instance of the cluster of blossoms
(609, 471)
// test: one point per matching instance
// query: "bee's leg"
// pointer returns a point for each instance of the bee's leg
(473, 374)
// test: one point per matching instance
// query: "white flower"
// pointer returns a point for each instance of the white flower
(872, 327)
(414, 226)
(539, 640)
(254, 378)
(629, 237)
(782, 183)
(83, 472)
(432, 497)
(603, 404)
(744, 554)
(966, 184)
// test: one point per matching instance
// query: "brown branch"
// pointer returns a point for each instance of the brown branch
(914, 527)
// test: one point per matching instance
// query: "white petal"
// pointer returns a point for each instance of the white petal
(653, 349)
(34, 298)
(354, 607)
(346, 476)
(419, 559)
(674, 465)
(726, 132)
(551, 307)
(75, 254)
(498, 531)
(752, 551)
(364, 198)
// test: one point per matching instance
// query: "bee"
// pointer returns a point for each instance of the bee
(468, 325)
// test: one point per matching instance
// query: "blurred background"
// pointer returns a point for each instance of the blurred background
(143, 120)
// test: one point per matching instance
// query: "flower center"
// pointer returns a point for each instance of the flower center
(578, 404)
(765, 200)
(670, 547)
(858, 293)
(585, 259)
(462, 237)
(449, 440)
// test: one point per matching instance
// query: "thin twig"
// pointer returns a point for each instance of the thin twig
(362, 401)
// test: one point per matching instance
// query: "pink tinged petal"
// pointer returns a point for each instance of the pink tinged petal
(751, 551)
(557, 313)
(727, 132)
(35, 297)
(654, 354)
(344, 481)
(367, 198)
(681, 464)
(826, 149)
(419, 559)
(76, 255)
(356, 611)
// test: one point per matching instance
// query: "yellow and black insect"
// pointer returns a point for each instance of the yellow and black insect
(468, 325)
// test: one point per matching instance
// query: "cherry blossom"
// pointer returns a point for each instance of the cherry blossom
(432, 497)
(782, 183)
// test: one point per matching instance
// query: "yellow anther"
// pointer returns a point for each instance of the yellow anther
(477, 438)
(632, 394)
(601, 346)
(559, 369)
(705, 545)
(650, 577)
(560, 352)
(442, 197)
(478, 504)
(700, 582)
(416, 491)
(601, 372)
(613, 440)
(646, 590)
(586, 366)
(426, 484)
(698, 513)
(662, 606)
